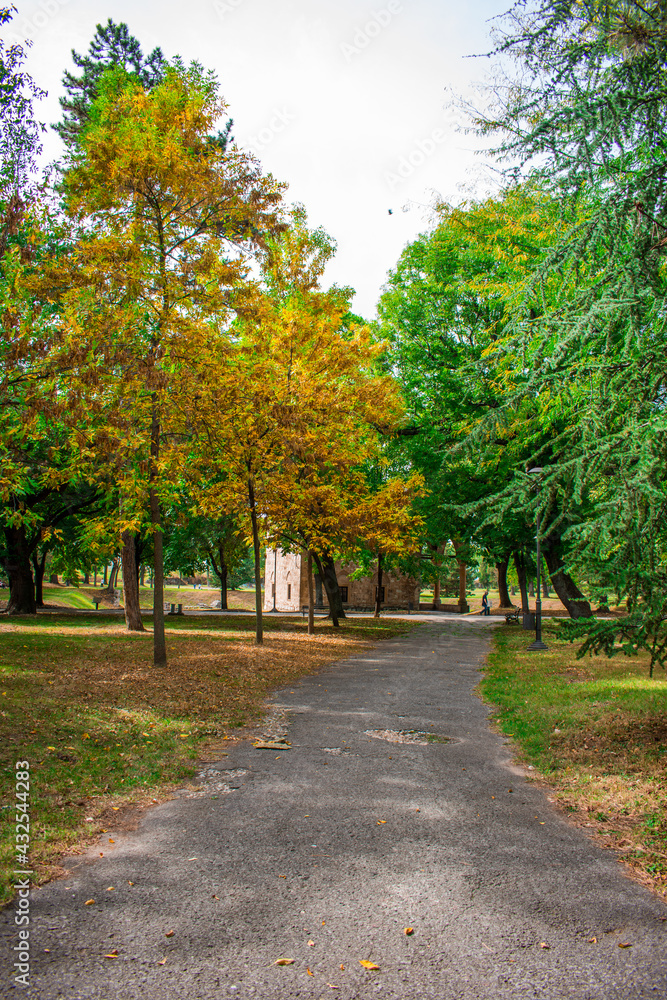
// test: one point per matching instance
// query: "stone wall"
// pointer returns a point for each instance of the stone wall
(292, 585)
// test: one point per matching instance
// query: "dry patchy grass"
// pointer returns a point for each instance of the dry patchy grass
(103, 728)
(597, 730)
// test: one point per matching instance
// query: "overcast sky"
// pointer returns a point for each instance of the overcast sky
(345, 100)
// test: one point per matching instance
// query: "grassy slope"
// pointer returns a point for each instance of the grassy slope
(597, 731)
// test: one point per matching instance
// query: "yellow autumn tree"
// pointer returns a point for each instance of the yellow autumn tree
(167, 213)
(301, 396)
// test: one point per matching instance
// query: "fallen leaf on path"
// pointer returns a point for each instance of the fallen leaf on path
(309, 972)
(408, 931)
(381, 821)
(284, 961)
(543, 944)
(342, 968)
(162, 961)
(168, 933)
(89, 902)
(271, 745)
(130, 883)
(368, 965)
(311, 944)
(332, 987)
(593, 940)
(624, 944)
(112, 954)
(110, 888)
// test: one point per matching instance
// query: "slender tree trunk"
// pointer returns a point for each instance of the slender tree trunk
(259, 632)
(113, 576)
(503, 595)
(131, 584)
(54, 579)
(223, 574)
(568, 592)
(378, 595)
(327, 568)
(520, 564)
(19, 571)
(104, 581)
(86, 579)
(531, 587)
(311, 609)
(159, 642)
(464, 607)
(545, 585)
(39, 566)
(436, 593)
(319, 600)
(142, 575)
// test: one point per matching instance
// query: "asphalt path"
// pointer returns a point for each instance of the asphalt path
(324, 853)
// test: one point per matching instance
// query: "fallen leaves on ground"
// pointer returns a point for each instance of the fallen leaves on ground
(284, 961)
(408, 931)
(368, 965)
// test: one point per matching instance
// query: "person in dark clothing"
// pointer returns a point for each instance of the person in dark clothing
(486, 607)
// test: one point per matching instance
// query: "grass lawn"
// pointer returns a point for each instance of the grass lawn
(102, 728)
(81, 598)
(596, 730)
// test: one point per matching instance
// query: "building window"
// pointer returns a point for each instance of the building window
(289, 591)
(381, 594)
(343, 594)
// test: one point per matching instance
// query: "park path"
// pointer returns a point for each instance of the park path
(325, 852)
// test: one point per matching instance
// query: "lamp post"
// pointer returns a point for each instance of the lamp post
(537, 644)
(275, 580)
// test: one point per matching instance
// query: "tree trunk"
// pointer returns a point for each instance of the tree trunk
(545, 585)
(531, 587)
(223, 573)
(39, 566)
(220, 570)
(54, 579)
(503, 595)
(520, 564)
(311, 610)
(19, 571)
(566, 589)
(104, 581)
(131, 584)
(86, 579)
(113, 577)
(436, 594)
(327, 568)
(259, 633)
(142, 575)
(319, 600)
(159, 642)
(378, 593)
(464, 607)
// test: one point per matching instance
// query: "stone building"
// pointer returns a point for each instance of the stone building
(287, 572)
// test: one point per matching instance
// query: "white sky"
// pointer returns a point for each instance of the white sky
(334, 95)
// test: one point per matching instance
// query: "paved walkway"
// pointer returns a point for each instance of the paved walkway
(325, 852)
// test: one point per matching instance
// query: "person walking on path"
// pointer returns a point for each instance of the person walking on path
(486, 607)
